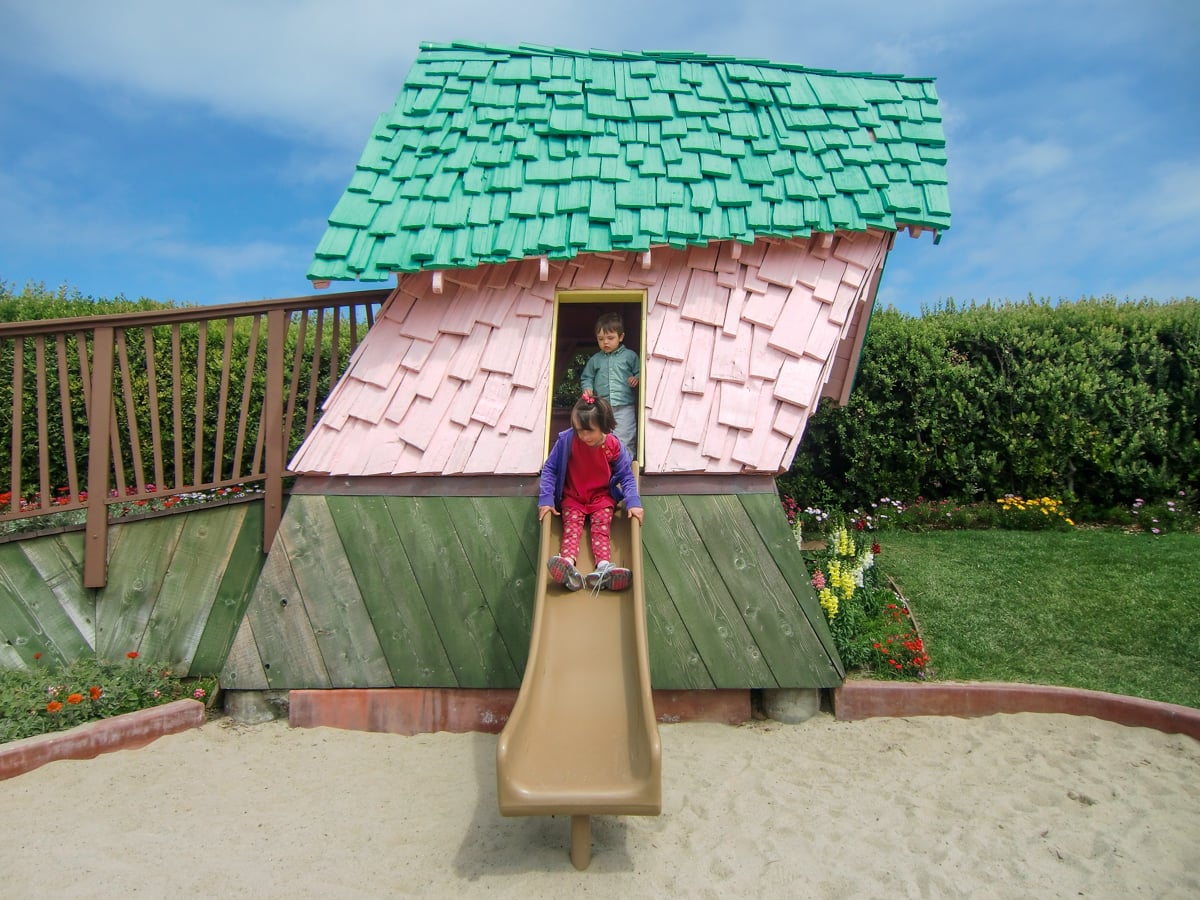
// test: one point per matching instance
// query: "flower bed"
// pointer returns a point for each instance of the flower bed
(54, 697)
(872, 627)
(124, 509)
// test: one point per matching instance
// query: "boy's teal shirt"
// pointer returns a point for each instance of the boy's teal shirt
(607, 375)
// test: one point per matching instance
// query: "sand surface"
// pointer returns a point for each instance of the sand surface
(1005, 806)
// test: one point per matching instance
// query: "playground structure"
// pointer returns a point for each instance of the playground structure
(739, 212)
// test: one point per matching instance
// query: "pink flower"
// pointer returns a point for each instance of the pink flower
(198, 693)
(818, 579)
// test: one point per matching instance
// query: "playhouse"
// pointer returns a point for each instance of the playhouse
(737, 212)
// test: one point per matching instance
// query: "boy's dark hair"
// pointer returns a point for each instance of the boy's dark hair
(610, 321)
(594, 413)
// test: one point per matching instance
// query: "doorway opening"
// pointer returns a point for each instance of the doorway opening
(575, 315)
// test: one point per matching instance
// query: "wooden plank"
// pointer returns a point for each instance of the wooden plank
(59, 563)
(731, 356)
(501, 565)
(31, 618)
(341, 624)
(100, 420)
(765, 360)
(768, 518)
(765, 309)
(692, 419)
(798, 382)
(232, 597)
(278, 618)
(453, 595)
(765, 598)
(190, 584)
(757, 447)
(407, 635)
(675, 663)
(466, 361)
(699, 594)
(243, 669)
(706, 300)
(523, 516)
(675, 337)
(504, 346)
(699, 362)
(135, 576)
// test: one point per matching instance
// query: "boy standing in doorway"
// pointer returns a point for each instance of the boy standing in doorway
(613, 375)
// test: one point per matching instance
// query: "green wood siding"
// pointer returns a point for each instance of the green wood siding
(32, 619)
(377, 591)
(407, 634)
(447, 586)
(177, 591)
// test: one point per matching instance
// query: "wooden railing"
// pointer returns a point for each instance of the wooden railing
(146, 406)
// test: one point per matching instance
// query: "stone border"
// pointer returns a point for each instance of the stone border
(862, 699)
(425, 710)
(124, 732)
(854, 700)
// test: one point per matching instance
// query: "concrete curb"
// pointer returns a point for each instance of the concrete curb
(425, 710)
(866, 699)
(125, 732)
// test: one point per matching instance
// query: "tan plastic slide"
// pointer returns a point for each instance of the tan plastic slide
(582, 739)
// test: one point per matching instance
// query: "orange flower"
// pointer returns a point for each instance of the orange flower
(53, 706)
(74, 698)
(132, 654)
(95, 692)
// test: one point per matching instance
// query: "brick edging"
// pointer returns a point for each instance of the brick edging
(866, 699)
(124, 732)
(426, 710)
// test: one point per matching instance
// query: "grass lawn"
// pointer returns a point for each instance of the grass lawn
(1102, 610)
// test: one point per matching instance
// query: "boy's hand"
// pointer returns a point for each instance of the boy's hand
(635, 512)
(633, 381)
(588, 395)
(543, 510)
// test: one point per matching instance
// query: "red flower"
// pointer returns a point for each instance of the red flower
(875, 549)
(132, 654)
(860, 524)
(74, 698)
(95, 692)
(53, 706)
(38, 655)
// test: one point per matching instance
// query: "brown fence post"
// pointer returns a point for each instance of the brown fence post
(95, 547)
(274, 440)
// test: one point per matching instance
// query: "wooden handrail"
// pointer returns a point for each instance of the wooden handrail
(111, 391)
(182, 314)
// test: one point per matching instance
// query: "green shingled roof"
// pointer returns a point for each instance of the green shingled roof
(491, 154)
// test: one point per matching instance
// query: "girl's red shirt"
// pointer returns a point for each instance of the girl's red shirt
(589, 470)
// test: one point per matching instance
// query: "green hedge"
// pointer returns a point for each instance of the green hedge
(1095, 401)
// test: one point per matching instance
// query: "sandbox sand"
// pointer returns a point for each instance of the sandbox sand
(1005, 806)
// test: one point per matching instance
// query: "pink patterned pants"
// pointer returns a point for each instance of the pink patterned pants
(573, 520)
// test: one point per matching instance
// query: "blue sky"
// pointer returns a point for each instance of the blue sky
(192, 152)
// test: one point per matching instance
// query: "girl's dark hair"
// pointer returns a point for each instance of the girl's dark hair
(592, 414)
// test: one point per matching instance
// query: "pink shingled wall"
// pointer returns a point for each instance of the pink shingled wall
(740, 344)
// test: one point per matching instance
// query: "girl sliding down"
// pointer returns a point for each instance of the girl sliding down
(587, 473)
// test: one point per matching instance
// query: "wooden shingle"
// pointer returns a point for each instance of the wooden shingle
(471, 165)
